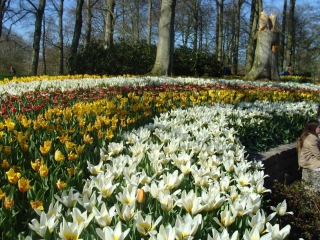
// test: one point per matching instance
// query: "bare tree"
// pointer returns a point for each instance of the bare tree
(149, 21)
(109, 27)
(256, 8)
(164, 57)
(77, 28)
(4, 4)
(219, 29)
(234, 67)
(44, 45)
(283, 35)
(38, 11)
(291, 32)
(89, 6)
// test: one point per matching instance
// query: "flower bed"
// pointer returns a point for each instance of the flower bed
(141, 150)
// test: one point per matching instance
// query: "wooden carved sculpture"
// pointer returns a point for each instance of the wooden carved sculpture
(265, 63)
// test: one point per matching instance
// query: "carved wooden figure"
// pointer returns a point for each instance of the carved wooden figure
(265, 63)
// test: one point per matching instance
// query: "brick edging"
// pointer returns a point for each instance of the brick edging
(280, 163)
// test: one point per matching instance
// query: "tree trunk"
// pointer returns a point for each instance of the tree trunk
(254, 17)
(60, 30)
(283, 36)
(220, 31)
(87, 37)
(234, 68)
(37, 36)
(2, 11)
(77, 28)
(163, 62)
(289, 46)
(149, 21)
(108, 37)
(266, 57)
(195, 24)
(44, 62)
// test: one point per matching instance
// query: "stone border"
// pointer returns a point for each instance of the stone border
(280, 163)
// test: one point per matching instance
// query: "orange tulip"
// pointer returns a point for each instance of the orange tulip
(141, 196)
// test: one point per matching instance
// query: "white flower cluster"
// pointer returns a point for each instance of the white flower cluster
(196, 177)
(17, 88)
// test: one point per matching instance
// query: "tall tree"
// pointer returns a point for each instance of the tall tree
(109, 26)
(59, 8)
(149, 21)
(77, 29)
(44, 46)
(219, 29)
(195, 12)
(256, 8)
(291, 32)
(39, 11)
(4, 4)
(235, 56)
(283, 36)
(164, 58)
(89, 5)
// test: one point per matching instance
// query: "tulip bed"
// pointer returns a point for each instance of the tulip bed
(85, 157)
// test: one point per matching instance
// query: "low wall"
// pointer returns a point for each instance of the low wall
(280, 163)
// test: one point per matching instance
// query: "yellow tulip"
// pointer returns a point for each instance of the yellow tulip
(43, 170)
(71, 171)
(64, 138)
(72, 156)
(23, 185)
(79, 149)
(2, 194)
(24, 147)
(5, 164)
(25, 122)
(36, 204)
(45, 149)
(13, 176)
(2, 133)
(61, 184)
(9, 124)
(69, 145)
(58, 156)
(36, 165)
(67, 113)
(8, 203)
(87, 139)
(7, 150)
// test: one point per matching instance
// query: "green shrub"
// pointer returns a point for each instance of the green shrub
(138, 59)
(120, 58)
(187, 62)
